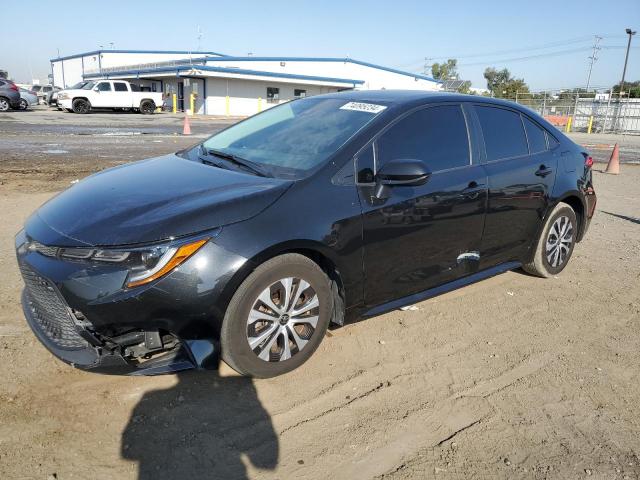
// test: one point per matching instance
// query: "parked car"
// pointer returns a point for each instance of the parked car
(43, 91)
(9, 95)
(258, 238)
(52, 97)
(115, 95)
(27, 99)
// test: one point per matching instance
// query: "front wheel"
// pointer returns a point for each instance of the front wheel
(23, 104)
(277, 317)
(80, 105)
(4, 104)
(147, 107)
(556, 242)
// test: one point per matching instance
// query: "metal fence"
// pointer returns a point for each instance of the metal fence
(583, 113)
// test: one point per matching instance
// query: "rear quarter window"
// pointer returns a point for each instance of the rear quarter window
(503, 133)
(536, 136)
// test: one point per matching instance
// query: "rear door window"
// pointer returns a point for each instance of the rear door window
(436, 135)
(535, 136)
(120, 87)
(503, 133)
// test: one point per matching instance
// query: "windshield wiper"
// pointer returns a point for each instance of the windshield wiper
(243, 162)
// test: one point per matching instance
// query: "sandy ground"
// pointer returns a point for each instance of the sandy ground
(513, 377)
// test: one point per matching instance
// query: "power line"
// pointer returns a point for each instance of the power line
(528, 57)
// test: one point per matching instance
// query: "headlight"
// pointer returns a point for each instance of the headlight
(145, 264)
(62, 96)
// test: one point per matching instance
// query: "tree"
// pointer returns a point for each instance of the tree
(449, 71)
(445, 71)
(502, 85)
(630, 88)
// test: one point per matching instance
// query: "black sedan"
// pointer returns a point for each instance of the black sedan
(317, 211)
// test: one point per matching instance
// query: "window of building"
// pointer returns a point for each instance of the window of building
(435, 135)
(535, 136)
(503, 133)
(120, 87)
(104, 87)
(299, 93)
(273, 95)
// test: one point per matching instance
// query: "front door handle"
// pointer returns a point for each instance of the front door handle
(543, 171)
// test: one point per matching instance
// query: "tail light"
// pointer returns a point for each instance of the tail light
(13, 86)
(588, 162)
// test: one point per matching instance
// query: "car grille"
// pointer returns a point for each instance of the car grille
(50, 311)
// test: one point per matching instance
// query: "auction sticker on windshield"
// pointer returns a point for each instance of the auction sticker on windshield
(363, 107)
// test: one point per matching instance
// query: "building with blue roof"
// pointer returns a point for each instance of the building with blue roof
(216, 84)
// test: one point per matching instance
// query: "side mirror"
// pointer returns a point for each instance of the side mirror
(404, 172)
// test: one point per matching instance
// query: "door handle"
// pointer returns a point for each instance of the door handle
(472, 191)
(543, 171)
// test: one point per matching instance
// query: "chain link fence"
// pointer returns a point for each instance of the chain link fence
(586, 113)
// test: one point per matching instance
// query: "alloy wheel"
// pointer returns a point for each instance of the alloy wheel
(282, 319)
(559, 241)
(4, 105)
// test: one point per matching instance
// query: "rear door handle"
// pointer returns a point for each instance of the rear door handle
(473, 190)
(543, 171)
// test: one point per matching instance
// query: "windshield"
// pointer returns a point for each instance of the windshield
(88, 86)
(77, 86)
(295, 137)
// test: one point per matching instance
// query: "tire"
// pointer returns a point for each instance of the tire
(147, 107)
(287, 339)
(80, 105)
(23, 104)
(4, 104)
(555, 244)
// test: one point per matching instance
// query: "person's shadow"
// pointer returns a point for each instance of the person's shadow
(200, 428)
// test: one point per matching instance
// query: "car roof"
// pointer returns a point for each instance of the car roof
(406, 97)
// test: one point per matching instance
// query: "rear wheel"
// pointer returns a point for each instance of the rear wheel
(277, 317)
(23, 104)
(556, 242)
(4, 104)
(80, 105)
(147, 107)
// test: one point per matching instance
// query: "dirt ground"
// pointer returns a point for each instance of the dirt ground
(513, 377)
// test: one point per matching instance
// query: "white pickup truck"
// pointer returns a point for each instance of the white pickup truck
(113, 94)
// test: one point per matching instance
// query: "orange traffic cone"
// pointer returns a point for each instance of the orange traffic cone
(186, 128)
(614, 162)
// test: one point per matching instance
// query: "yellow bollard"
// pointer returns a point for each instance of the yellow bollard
(590, 124)
(174, 99)
(568, 129)
(226, 108)
(259, 104)
(192, 103)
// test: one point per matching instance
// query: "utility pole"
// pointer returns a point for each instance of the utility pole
(593, 58)
(631, 33)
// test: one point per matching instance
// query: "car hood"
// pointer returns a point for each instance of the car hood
(149, 201)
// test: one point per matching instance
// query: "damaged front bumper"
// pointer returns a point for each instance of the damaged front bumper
(91, 353)
(84, 315)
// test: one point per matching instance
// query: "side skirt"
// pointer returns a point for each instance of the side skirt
(439, 290)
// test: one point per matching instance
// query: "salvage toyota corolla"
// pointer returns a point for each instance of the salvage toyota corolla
(313, 212)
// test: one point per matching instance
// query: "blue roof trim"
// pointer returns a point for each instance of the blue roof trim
(96, 52)
(240, 71)
(321, 59)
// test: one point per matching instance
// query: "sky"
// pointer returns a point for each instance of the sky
(555, 36)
